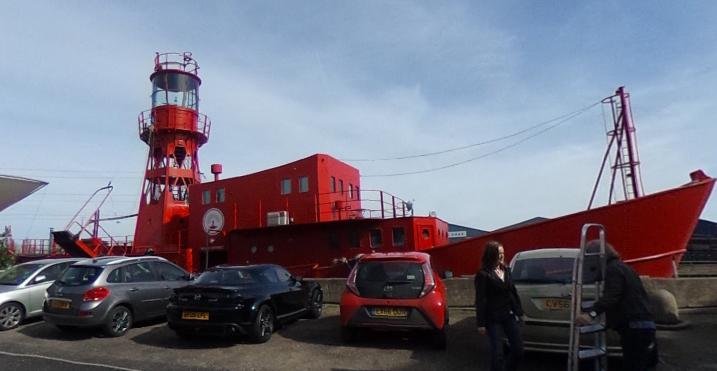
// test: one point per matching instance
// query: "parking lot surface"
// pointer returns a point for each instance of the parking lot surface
(310, 345)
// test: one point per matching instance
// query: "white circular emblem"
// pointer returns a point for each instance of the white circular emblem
(213, 221)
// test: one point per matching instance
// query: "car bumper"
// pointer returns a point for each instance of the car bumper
(88, 315)
(554, 338)
(423, 313)
(220, 321)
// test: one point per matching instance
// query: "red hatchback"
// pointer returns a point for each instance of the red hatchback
(394, 291)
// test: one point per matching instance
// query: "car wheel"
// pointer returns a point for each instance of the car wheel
(316, 304)
(440, 339)
(119, 321)
(11, 314)
(348, 334)
(263, 325)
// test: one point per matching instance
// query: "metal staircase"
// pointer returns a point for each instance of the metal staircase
(594, 333)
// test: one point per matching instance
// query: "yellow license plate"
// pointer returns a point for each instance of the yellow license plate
(59, 304)
(202, 316)
(557, 304)
(390, 312)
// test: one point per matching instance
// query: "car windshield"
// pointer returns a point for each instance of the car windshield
(228, 277)
(79, 275)
(551, 270)
(389, 279)
(15, 275)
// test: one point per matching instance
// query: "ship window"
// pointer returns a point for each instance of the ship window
(206, 197)
(334, 240)
(376, 238)
(286, 186)
(399, 236)
(351, 191)
(425, 233)
(332, 184)
(358, 196)
(341, 186)
(303, 184)
(220, 195)
(354, 239)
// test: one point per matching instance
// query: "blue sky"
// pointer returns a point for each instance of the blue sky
(369, 79)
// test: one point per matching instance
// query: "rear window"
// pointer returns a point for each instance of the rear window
(229, 277)
(79, 275)
(389, 279)
(551, 270)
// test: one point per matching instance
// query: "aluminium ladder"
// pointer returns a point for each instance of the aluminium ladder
(597, 350)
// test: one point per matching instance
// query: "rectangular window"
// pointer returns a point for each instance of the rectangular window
(399, 236)
(358, 194)
(332, 184)
(376, 238)
(206, 197)
(303, 184)
(351, 191)
(341, 186)
(354, 239)
(286, 186)
(220, 195)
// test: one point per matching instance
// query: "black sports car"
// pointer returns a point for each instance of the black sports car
(247, 300)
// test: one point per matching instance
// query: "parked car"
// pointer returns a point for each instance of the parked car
(23, 286)
(543, 279)
(112, 292)
(394, 291)
(246, 300)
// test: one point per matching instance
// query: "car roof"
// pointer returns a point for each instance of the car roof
(547, 253)
(229, 266)
(103, 261)
(409, 255)
(51, 261)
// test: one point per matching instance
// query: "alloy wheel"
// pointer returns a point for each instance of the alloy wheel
(10, 316)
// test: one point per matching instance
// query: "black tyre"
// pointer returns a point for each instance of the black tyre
(348, 334)
(11, 315)
(316, 304)
(119, 322)
(440, 339)
(263, 325)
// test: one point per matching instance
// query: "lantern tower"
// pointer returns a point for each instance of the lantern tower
(174, 130)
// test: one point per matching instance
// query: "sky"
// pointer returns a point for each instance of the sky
(283, 80)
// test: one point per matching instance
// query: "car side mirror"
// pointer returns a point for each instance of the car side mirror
(40, 278)
(297, 278)
(189, 277)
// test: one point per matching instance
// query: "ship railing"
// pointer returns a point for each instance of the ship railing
(146, 120)
(176, 61)
(361, 204)
(39, 247)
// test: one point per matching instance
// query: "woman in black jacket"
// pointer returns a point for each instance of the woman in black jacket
(498, 308)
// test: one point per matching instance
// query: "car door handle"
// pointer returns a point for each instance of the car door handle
(133, 289)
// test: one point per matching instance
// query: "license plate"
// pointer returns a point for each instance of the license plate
(390, 312)
(557, 304)
(59, 304)
(202, 316)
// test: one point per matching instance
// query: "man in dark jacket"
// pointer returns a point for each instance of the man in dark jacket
(625, 304)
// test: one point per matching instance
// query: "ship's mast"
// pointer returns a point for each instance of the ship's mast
(174, 130)
(627, 159)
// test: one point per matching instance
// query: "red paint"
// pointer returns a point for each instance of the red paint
(174, 130)
(650, 232)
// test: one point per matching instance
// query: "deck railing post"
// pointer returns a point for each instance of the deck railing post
(381, 200)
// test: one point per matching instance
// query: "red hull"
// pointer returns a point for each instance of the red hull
(651, 232)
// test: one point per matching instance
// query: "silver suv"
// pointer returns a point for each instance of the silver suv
(112, 292)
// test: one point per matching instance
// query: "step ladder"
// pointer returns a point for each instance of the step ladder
(596, 350)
